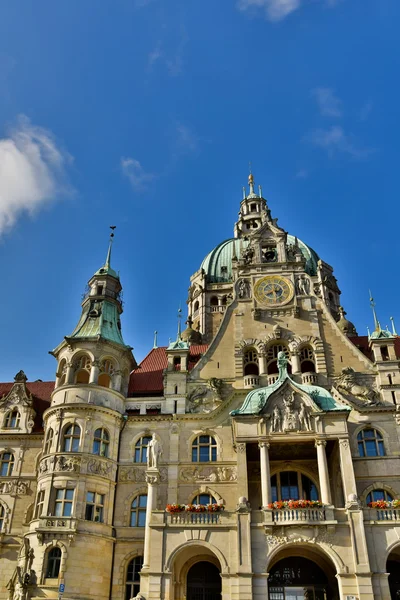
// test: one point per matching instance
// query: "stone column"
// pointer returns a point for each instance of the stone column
(266, 496)
(152, 480)
(323, 472)
(94, 371)
(69, 378)
(295, 362)
(262, 361)
(347, 472)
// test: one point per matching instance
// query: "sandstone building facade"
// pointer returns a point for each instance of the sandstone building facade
(256, 457)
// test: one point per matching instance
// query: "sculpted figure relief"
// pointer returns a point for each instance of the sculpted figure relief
(292, 415)
(276, 425)
(243, 289)
(348, 384)
(153, 453)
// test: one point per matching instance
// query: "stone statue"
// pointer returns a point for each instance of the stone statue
(302, 286)
(153, 453)
(348, 384)
(304, 418)
(276, 424)
(244, 289)
(215, 385)
(247, 255)
(289, 414)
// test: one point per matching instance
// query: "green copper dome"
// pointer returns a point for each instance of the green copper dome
(218, 263)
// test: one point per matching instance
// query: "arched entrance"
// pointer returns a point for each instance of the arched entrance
(393, 568)
(203, 582)
(300, 578)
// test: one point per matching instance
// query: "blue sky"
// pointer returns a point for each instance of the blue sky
(145, 114)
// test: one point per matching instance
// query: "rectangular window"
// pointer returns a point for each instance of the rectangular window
(63, 503)
(94, 507)
(39, 504)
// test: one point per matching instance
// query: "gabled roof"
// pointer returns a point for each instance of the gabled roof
(147, 379)
(41, 395)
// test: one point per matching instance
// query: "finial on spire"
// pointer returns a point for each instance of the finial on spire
(372, 305)
(260, 191)
(155, 339)
(178, 337)
(244, 193)
(393, 326)
(251, 180)
(108, 259)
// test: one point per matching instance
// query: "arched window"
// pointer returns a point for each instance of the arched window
(2, 517)
(6, 464)
(292, 485)
(53, 563)
(12, 419)
(132, 586)
(107, 370)
(204, 449)
(204, 499)
(101, 442)
(272, 358)
(214, 301)
(177, 363)
(138, 511)
(72, 436)
(83, 369)
(49, 441)
(196, 306)
(250, 362)
(377, 495)
(141, 449)
(370, 443)
(62, 372)
(307, 360)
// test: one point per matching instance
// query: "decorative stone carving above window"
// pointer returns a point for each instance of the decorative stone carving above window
(17, 400)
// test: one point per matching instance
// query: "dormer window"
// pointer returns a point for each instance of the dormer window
(100, 289)
(253, 207)
(177, 363)
(12, 419)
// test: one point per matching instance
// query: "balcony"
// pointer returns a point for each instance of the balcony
(382, 515)
(251, 381)
(160, 518)
(49, 528)
(309, 378)
(299, 515)
(272, 378)
(220, 309)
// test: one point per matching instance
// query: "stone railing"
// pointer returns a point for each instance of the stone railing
(272, 378)
(215, 309)
(251, 381)
(383, 514)
(57, 523)
(204, 519)
(298, 515)
(309, 378)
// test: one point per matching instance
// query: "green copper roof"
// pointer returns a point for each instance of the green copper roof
(99, 318)
(218, 263)
(256, 400)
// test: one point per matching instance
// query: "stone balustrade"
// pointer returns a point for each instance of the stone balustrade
(272, 378)
(383, 514)
(204, 519)
(309, 378)
(298, 515)
(251, 381)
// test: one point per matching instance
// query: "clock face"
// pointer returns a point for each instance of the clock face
(273, 290)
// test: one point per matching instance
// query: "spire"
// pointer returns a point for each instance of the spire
(178, 337)
(108, 259)
(393, 326)
(251, 181)
(372, 305)
(155, 340)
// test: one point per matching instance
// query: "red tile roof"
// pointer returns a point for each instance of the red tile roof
(147, 379)
(41, 393)
(362, 343)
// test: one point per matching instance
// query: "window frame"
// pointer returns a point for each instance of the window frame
(197, 449)
(8, 419)
(54, 562)
(387, 496)
(140, 449)
(211, 499)
(9, 464)
(364, 443)
(138, 512)
(64, 501)
(95, 507)
(103, 441)
(48, 441)
(3, 514)
(71, 437)
(132, 586)
(277, 496)
(39, 506)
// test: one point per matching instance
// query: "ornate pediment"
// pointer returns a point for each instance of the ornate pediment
(290, 411)
(19, 400)
(18, 395)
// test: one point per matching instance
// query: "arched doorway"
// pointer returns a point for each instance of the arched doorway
(299, 578)
(393, 568)
(203, 582)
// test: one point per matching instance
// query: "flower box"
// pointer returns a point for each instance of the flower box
(196, 508)
(295, 504)
(384, 504)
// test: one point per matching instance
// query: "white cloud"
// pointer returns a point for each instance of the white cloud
(32, 172)
(329, 104)
(275, 10)
(170, 54)
(335, 140)
(137, 176)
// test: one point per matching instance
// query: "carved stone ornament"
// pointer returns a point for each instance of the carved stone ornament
(99, 467)
(208, 474)
(14, 487)
(243, 289)
(290, 413)
(152, 478)
(66, 463)
(203, 399)
(301, 535)
(138, 474)
(303, 286)
(23, 575)
(241, 448)
(347, 383)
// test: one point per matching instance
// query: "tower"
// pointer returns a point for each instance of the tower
(78, 466)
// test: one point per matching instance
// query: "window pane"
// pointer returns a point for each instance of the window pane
(381, 449)
(90, 497)
(89, 512)
(143, 501)
(194, 454)
(96, 447)
(213, 454)
(69, 494)
(58, 510)
(67, 509)
(75, 445)
(369, 433)
(137, 455)
(370, 447)
(141, 518)
(144, 454)
(361, 449)
(204, 454)
(378, 495)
